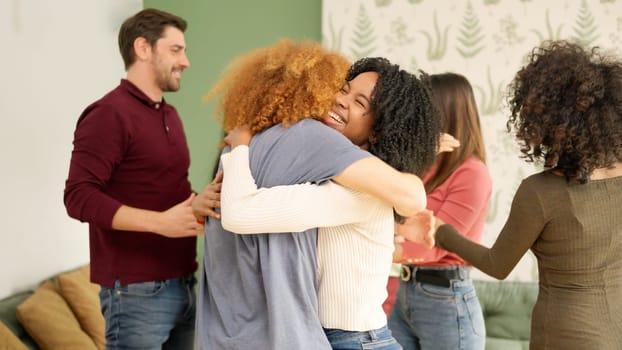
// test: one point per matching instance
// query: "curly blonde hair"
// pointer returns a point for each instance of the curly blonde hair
(282, 83)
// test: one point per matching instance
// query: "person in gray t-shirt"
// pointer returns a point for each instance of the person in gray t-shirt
(259, 290)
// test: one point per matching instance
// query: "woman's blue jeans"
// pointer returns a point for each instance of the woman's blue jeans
(150, 315)
(377, 339)
(430, 317)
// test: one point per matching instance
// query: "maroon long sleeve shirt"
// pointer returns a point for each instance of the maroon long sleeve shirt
(129, 150)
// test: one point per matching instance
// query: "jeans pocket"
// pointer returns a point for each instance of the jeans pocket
(105, 299)
(475, 313)
(436, 292)
(143, 289)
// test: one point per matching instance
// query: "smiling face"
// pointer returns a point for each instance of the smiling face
(169, 59)
(351, 114)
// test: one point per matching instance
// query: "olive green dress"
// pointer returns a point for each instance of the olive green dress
(575, 232)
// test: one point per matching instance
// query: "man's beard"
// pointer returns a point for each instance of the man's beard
(164, 77)
(166, 83)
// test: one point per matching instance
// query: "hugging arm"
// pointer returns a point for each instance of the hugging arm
(370, 175)
(246, 209)
(403, 191)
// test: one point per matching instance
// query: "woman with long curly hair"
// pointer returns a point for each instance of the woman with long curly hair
(260, 289)
(566, 109)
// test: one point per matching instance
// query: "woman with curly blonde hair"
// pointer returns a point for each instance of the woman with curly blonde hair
(566, 109)
(283, 83)
(261, 288)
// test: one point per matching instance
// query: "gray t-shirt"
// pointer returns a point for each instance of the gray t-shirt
(260, 291)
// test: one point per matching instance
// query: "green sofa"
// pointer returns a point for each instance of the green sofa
(507, 307)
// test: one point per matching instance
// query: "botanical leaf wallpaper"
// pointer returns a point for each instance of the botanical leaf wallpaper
(486, 41)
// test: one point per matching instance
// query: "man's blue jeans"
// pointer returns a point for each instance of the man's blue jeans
(378, 339)
(150, 315)
(430, 317)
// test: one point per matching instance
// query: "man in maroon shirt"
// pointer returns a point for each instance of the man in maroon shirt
(128, 179)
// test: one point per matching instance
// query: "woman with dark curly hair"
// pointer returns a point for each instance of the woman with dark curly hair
(400, 103)
(259, 290)
(566, 108)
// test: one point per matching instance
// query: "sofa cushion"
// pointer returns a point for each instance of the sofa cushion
(506, 344)
(83, 299)
(507, 308)
(49, 320)
(8, 340)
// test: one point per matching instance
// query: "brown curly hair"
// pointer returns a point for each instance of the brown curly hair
(282, 83)
(566, 109)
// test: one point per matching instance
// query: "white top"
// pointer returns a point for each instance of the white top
(355, 241)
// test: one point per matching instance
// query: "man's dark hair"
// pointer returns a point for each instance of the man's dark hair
(148, 24)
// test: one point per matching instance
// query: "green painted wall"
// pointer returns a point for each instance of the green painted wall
(218, 31)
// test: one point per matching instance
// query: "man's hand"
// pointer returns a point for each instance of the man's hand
(419, 228)
(239, 136)
(178, 221)
(208, 200)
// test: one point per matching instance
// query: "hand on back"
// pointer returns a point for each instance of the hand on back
(239, 136)
(208, 200)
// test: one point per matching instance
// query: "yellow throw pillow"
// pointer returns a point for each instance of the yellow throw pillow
(48, 319)
(8, 340)
(83, 298)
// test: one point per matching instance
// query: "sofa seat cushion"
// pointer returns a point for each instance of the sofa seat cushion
(506, 344)
(507, 308)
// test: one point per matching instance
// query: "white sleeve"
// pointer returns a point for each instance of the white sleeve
(293, 208)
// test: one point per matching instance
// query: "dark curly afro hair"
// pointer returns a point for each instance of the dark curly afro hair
(407, 124)
(566, 109)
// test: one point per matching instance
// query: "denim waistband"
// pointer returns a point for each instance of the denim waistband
(439, 276)
(190, 279)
